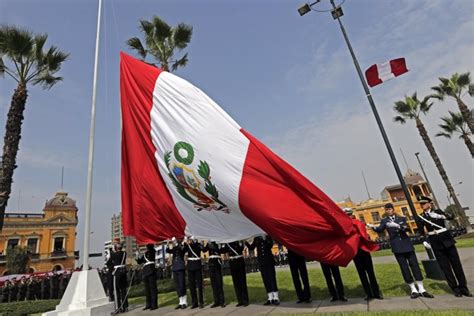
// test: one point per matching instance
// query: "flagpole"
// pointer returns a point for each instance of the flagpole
(87, 221)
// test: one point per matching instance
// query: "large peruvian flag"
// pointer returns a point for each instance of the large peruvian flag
(378, 73)
(189, 169)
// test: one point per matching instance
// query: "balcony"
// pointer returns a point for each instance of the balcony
(3, 259)
(34, 256)
(58, 254)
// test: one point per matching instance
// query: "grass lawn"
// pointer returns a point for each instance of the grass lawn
(464, 241)
(401, 313)
(388, 276)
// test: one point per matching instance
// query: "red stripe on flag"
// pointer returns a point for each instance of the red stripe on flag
(372, 76)
(148, 211)
(398, 66)
(293, 210)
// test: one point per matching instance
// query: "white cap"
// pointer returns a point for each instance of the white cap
(173, 239)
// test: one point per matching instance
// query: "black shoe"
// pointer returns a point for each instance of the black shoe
(184, 306)
(214, 305)
(276, 302)
(427, 295)
(245, 304)
(299, 301)
(414, 295)
(333, 299)
(466, 292)
(145, 308)
(239, 304)
(268, 302)
(201, 305)
(309, 300)
(343, 299)
(457, 294)
(223, 305)
(194, 306)
(153, 308)
(179, 306)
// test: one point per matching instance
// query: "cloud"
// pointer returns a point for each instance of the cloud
(49, 158)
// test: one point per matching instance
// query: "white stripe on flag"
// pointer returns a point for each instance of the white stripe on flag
(385, 71)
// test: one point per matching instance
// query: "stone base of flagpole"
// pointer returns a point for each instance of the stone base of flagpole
(84, 295)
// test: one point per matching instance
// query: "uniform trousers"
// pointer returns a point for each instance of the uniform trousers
(215, 273)
(269, 277)
(407, 261)
(330, 272)
(239, 278)
(365, 269)
(180, 282)
(195, 281)
(298, 269)
(448, 259)
(151, 292)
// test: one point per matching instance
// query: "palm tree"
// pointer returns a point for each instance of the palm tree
(17, 260)
(410, 109)
(161, 42)
(455, 124)
(454, 88)
(28, 62)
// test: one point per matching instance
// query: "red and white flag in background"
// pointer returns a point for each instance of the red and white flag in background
(378, 73)
(189, 169)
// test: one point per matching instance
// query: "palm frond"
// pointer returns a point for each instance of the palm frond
(46, 80)
(471, 89)
(39, 40)
(180, 63)
(182, 35)
(146, 26)
(136, 44)
(161, 29)
(443, 134)
(463, 79)
(399, 119)
(425, 105)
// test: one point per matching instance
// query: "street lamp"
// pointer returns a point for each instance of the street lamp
(427, 181)
(337, 14)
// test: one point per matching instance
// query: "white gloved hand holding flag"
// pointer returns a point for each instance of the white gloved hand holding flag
(393, 225)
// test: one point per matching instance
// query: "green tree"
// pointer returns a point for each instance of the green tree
(161, 42)
(410, 109)
(17, 260)
(455, 87)
(455, 124)
(24, 58)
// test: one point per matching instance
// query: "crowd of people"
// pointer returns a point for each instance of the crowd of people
(186, 262)
(34, 287)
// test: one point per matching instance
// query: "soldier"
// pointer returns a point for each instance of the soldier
(193, 250)
(54, 285)
(237, 269)
(443, 245)
(363, 260)
(117, 260)
(110, 277)
(403, 250)
(149, 277)
(176, 248)
(22, 287)
(266, 265)
(6, 291)
(13, 291)
(330, 272)
(45, 288)
(298, 269)
(215, 273)
(30, 288)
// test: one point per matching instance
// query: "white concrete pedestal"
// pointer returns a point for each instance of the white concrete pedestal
(84, 295)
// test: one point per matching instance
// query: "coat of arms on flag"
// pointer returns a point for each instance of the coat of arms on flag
(189, 184)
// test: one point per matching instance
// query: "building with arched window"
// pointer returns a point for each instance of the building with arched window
(49, 237)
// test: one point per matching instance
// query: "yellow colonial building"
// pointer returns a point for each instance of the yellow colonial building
(372, 210)
(49, 236)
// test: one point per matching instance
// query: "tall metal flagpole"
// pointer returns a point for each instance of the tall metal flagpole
(87, 221)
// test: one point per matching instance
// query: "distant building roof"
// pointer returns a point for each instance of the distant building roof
(61, 200)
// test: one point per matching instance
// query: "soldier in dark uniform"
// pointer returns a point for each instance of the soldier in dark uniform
(22, 287)
(6, 291)
(330, 272)
(45, 288)
(54, 285)
(215, 273)
(193, 250)
(266, 265)
(13, 291)
(443, 245)
(363, 260)
(403, 250)
(149, 277)
(110, 277)
(63, 281)
(117, 260)
(298, 269)
(237, 269)
(30, 288)
(179, 274)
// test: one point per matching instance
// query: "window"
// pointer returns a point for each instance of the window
(376, 216)
(406, 213)
(361, 218)
(12, 243)
(58, 244)
(32, 245)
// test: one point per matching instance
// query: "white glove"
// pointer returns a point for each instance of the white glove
(370, 225)
(393, 225)
(185, 239)
(427, 245)
(173, 239)
(436, 215)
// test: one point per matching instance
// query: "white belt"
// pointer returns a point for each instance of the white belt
(120, 266)
(235, 257)
(148, 263)
(436, 232)
(214, 257)
(194, 259)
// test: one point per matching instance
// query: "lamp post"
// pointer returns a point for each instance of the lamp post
(427, 181)
(336, 14)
